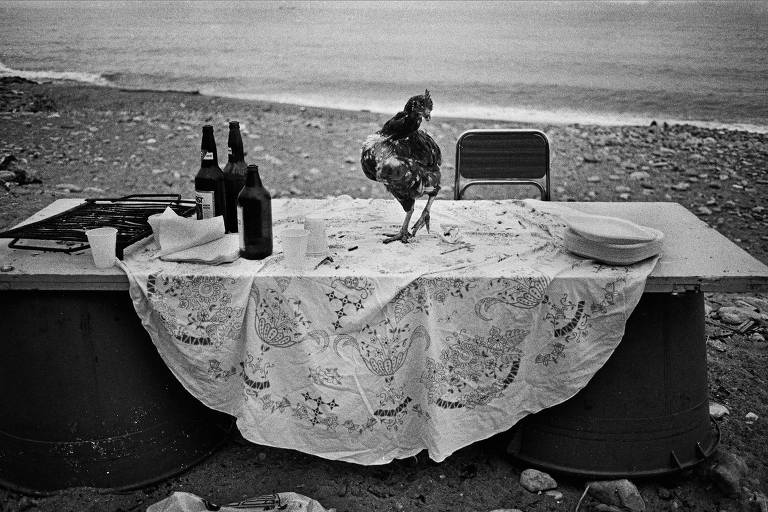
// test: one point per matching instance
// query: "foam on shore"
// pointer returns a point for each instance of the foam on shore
(43, 75)
(499, 113)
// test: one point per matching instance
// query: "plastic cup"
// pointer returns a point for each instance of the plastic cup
(295, 247)
(103, 242)
(318, 240)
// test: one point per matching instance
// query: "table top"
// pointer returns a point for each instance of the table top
(694, 255)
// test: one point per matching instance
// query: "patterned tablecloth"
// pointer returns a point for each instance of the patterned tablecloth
(390, 349)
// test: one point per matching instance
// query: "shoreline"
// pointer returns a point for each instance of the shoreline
(526, 115)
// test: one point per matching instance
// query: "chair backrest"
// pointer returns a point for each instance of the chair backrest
(502, 157)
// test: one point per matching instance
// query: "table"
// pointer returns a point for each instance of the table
(721, 267)
(683, 270)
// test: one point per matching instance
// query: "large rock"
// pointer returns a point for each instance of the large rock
(617, 493)
(717, 411)
(735, 315)
(535, 481)
(727, 472)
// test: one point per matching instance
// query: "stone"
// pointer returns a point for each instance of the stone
(602, 507)
(717, 345)
(757, 337)
(681, 186)
(618, 493)
(717, 411)
(69, 187)
(272, 159)
(736, 315)
(727, 472)
(750, 418)
(639, 175)
(6, 160)
(593, 179)
(703, 210)
(7, 176)
(534, 480)
(506, 510)
(555, 494)
(756, 302)
(758, 502)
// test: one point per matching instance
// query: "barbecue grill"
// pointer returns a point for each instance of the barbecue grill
(65, 231)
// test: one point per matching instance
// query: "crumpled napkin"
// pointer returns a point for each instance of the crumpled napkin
(222, 250)
(199, 241)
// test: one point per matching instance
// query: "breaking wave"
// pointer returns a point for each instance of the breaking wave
(44, 75)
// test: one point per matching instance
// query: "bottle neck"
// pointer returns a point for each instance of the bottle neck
(235, 143)
(208, 155)
(252, 179)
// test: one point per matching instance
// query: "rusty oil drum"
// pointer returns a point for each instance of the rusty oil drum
(644, 413)
(87, 400)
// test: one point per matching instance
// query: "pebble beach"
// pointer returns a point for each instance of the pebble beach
(65, 139)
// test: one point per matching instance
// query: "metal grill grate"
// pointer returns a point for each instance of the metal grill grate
(128, 214)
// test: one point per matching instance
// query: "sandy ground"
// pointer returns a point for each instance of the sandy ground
(66, 140)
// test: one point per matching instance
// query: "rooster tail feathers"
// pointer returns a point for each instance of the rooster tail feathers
(368, 155)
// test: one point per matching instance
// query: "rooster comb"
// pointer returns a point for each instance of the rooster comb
(426, 94)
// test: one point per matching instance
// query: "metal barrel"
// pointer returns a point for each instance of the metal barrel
(644, 413)
(87, 400)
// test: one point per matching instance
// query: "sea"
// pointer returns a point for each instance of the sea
(589, 62)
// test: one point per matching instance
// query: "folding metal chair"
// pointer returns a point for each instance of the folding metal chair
(502, 157)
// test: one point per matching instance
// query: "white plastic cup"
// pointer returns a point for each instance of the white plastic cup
(295, 247)
(318, 240)
(103, 242)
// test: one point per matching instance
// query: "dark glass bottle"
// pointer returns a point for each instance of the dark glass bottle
(254, 217)
(209, 181)
(234, 175)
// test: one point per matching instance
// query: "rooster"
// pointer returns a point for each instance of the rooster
(407, 161)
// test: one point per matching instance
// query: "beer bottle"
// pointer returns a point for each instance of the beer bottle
(234, 175)
(209, 181)
(254, 217)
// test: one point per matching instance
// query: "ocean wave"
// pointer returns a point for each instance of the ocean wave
(498, 113)
(42, 75)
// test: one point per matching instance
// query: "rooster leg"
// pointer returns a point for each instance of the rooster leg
(403, 235)
(423, 219)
